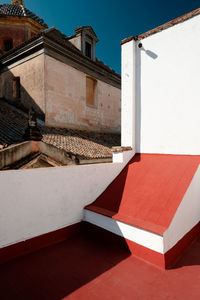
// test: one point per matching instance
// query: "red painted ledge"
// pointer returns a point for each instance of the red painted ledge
(145, 225)
(167, 260)
(164, 261)
(39, 242)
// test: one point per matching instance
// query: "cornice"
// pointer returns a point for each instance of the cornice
(64, 53)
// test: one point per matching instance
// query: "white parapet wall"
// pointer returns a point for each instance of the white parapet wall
(165, 88)
(35, 202)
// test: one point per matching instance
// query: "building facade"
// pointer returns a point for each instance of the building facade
(59, 76)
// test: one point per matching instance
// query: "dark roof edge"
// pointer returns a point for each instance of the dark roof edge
(164, 26)
(130, 38)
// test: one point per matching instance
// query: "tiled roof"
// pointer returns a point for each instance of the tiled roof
(20, 11)
(12, 125)
(163, 26)
(82, 144)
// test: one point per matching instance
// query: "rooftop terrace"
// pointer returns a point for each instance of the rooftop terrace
(88, 267)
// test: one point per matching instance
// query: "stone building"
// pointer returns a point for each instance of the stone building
(103, 217)
(59, 76)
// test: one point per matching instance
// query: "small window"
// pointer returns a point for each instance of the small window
(90, 90)
(16, 88)
(8, 45)
(88, 49)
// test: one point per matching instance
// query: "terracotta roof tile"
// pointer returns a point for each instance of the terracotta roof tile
(20, 11)
(82, 144)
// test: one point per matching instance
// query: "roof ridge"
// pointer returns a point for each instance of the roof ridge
(20, 11)
(163, 26)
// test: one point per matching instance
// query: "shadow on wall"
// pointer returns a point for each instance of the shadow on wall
(151, 54)
(14, 93)
(154, 56)
(191, 257)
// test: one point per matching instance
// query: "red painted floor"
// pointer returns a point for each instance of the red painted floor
(148, 191)
(85, 267)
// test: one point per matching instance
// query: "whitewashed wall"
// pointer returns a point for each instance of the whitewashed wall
(162, 80)
(128, 110)
(186, 216)
(167, 90)
(34, 202)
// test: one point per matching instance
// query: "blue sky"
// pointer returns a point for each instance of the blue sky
(112, 20)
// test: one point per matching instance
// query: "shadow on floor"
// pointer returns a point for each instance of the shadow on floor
(191, 257)
(55, 272)
(111, 198)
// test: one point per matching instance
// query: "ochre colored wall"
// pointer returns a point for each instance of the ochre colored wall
(19, 29)
(16, 34)
(65, 96)
(31, 75)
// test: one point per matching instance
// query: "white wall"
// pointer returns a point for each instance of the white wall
(142, 237)
(128, 113)
(167, 90)
(34, 202)
(162, 78)
(186, 216)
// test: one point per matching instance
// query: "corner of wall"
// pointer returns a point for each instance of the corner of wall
(187, 215)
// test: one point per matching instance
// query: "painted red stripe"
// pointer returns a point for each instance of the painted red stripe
(158, 259)
(163, 261)
(39, 242)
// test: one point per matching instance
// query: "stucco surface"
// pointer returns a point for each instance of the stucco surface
(31, 75)
(44, 200)
(65, 93)
(160, 88)
(167, 89)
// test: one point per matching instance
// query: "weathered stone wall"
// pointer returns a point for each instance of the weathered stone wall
(31, 75)
(65, 96)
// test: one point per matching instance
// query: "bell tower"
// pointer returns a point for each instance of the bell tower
(18, 2)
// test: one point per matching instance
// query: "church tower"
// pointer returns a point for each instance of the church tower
(17, 25)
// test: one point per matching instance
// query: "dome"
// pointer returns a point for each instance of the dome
(20, 11)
